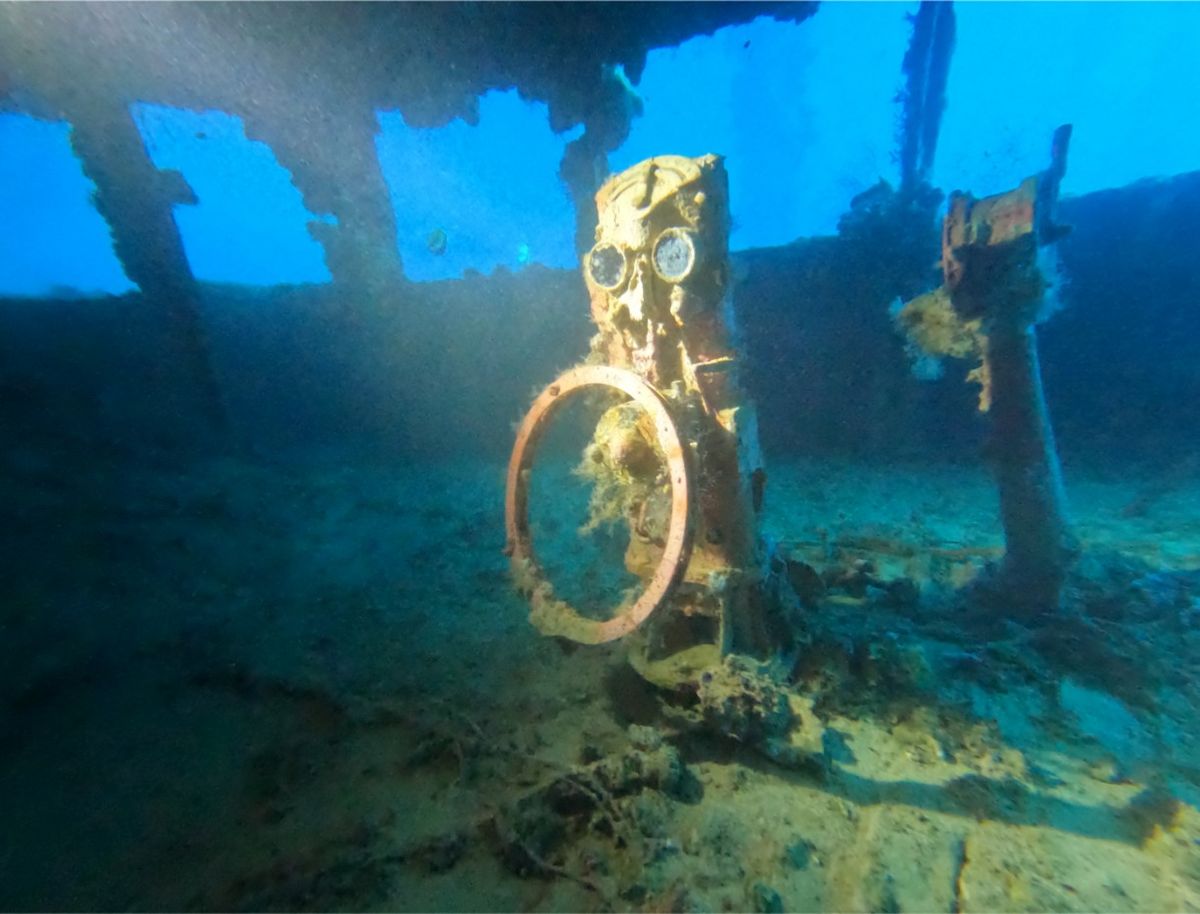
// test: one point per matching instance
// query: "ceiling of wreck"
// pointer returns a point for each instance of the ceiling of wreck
(431, 61)
(308, 80)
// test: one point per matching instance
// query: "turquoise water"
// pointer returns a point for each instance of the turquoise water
(278, 284)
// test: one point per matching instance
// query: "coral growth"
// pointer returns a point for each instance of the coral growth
(934, 328)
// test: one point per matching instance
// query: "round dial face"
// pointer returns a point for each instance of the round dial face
(606, 265)
(674, 254)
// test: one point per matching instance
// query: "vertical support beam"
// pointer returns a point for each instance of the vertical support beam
(995, 289)
(583, 166)
(584, 163)
(334, 163)
(136, 200)
(927, 67)
(1039, 545)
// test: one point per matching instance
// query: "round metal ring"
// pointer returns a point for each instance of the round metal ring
(556, 617)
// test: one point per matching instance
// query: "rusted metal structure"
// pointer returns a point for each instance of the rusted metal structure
(988, 306)
(678, 461)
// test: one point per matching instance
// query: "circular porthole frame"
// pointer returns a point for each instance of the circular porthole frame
(551, 615)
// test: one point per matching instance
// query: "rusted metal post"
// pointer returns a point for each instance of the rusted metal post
(334, 163)
(136, 200)
(613, 106)
(926, 69)
(988, 306)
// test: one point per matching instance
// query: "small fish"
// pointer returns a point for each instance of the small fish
(523, 253)
(436, 242)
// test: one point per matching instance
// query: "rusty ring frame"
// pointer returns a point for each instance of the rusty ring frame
(516, 500)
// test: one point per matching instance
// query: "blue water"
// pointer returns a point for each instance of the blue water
(278, 284)
(804, 114)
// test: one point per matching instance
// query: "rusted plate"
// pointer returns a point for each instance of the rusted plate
(987, 222)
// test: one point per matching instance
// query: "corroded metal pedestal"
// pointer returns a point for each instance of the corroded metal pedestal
(987, 308)
(678, 460)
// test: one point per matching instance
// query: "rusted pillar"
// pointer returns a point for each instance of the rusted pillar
(334, 163)
(136, 199)
(988, 307)
(585, 159)
(923, 99)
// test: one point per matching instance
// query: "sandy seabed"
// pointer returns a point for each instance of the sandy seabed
(248, 684)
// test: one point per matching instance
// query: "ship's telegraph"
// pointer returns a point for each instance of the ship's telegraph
(658, 280)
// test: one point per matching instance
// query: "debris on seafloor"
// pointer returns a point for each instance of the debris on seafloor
(1152, 810)
(607, 809)
(749, 704)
